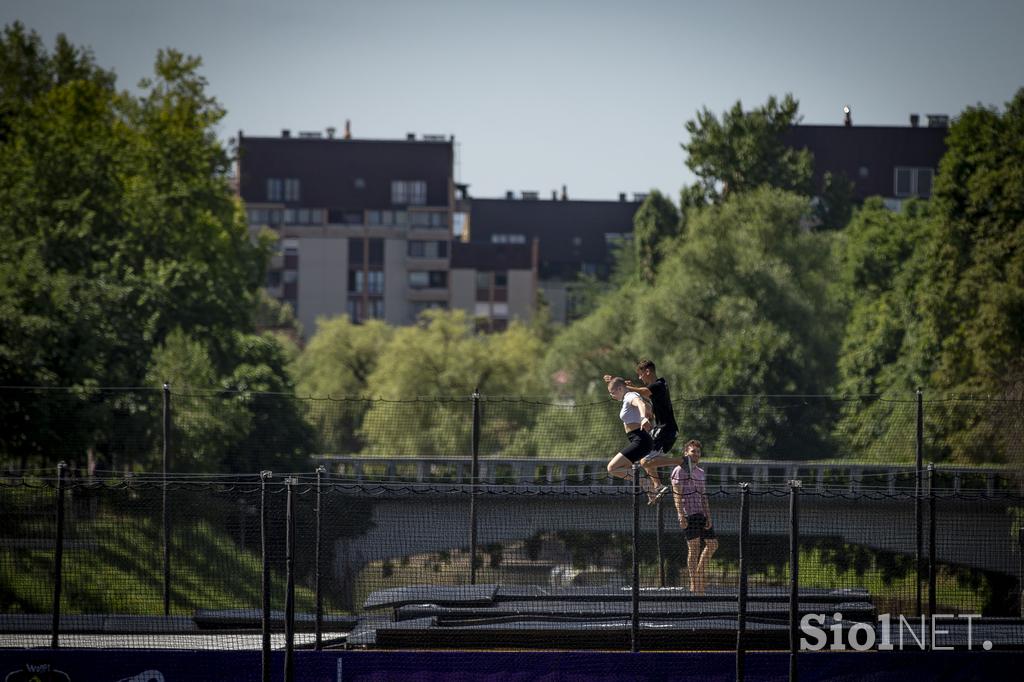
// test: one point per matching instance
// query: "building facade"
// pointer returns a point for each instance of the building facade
(363, 227)
(572, 237)
(893, 162)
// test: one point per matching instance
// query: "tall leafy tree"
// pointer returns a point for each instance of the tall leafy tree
(118, 225)
(740, 308)
(973, 292)
(744, 150)
(656, 221)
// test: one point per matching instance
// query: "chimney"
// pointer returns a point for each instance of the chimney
(915, 120)
(847, 119)
(554, 195)
(622, 196)
(510, 194)
(411, 137)
(285, 132)
(565, 193)
(330, 132)
(348, 129)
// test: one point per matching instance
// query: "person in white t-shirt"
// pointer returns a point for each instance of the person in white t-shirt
(635, 414)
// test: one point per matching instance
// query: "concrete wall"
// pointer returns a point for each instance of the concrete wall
(323, 280)
(462, 288)
(396, 282)
(521, 295)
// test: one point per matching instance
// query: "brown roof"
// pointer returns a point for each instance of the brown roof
(570, 232)
(490, 257)
(879, 149)
(350, 175)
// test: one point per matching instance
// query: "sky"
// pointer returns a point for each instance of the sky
(592, 95)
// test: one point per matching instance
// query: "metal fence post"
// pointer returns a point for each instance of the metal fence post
(741, 614)
(265, 581)
(661, 549)
(918, 511)
(794, 576)
(58, 558)
(634, 629)
(473, 481)
(319, 626)
(289, 594)
(933, 569)
(164, 508)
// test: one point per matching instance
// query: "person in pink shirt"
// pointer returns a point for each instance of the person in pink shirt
(694, 515)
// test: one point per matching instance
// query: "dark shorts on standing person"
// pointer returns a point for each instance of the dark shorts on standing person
(696, 527)
(640, 445)
(664, 438)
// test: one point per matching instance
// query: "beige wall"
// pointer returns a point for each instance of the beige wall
(521, 295)
(396, 281)
(462, 288)
(323, 280)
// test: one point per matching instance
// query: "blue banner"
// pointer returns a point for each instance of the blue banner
(127, 665)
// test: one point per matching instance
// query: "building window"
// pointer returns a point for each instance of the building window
(291, 189)
(484, 309)
(427, 249)
(409, 192)
(913, 182)
(274, 189)
(375, 281)
(428, 280)
(371, 281)
(508, 238)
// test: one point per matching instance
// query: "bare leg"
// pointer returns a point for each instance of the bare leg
(621, 467)
(692, 562)
(702, 566)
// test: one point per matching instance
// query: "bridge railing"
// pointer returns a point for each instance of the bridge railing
(530, 472)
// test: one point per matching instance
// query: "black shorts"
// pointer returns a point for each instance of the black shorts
(664, 438)
(640, 445)
(696, 527)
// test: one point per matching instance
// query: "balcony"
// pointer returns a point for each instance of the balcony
(427, 294)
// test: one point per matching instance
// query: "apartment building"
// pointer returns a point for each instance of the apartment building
(363, 227)
(572, 237)
(893, 162)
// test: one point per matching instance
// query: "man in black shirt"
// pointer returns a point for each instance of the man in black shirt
(665, 429)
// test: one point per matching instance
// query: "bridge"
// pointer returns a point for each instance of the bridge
(423, 506)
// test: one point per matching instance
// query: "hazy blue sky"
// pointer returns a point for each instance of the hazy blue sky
(593, 95)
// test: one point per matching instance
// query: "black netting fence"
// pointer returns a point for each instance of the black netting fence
(493, 522)
(521, 565)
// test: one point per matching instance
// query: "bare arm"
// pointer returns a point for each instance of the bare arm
(677, 495)
(645, 418)
(642, 390)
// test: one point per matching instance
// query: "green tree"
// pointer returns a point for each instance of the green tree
(334, 372)
(740, 308)
(834, 205)
(880, 259)
(972, 295)
(118, 225)
(443, 361)
(656, 221)
(745, 150)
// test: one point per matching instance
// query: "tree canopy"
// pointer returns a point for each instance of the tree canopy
(118, 226)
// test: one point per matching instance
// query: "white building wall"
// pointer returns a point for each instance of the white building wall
(323, 280)
(396, 282)
(521, 295)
